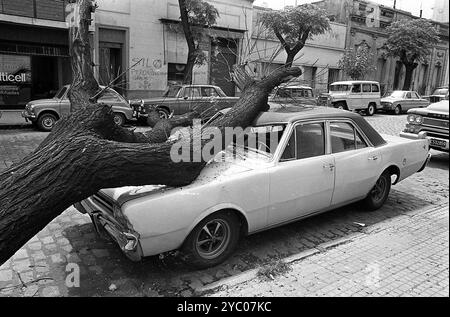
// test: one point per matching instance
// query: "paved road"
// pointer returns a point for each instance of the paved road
(399, 241)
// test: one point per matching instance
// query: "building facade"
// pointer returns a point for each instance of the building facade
(145, 34)
(367, 23)
(148, 35)
(34, 51)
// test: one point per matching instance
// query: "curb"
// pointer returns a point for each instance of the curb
(252, 274)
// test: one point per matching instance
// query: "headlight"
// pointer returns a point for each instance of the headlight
(419, 119)
(415, 119)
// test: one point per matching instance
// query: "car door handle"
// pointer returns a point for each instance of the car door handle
(373, 158)
(328, 165)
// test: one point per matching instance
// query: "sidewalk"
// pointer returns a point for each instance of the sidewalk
(404, 256)
(10, 119)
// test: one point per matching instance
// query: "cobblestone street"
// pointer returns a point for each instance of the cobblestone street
(400, 249)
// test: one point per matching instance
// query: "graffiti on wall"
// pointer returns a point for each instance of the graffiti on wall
(148, 74)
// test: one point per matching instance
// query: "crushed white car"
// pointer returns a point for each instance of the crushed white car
(326, 158)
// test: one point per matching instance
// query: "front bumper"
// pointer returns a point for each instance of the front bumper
(127, 240)
(434, 142)
(28, 116)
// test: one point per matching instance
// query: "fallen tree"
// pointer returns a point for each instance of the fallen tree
(87, 151)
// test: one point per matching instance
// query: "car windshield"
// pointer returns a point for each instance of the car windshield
(440, 91)
(396, 94)
(61, 92)
(262, 141)
(340, 87)
(171, 92)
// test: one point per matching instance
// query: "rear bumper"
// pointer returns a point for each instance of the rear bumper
(127, 240)
(434, 142)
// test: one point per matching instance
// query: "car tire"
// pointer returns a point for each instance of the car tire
(201, 250)
(379, 193)
(119, 119)
(163, 113)
(341, 105)
(397, 110)
(371, 109)
(46, 122)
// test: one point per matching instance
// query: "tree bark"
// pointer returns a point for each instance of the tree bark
(87, 152)
(409, 69)
(190, 42)
(84, 85)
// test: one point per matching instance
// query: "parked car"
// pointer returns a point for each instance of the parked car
(438, 94)
(324, 158)
(179, 99)
(400, 101)
(289, 94)
(353, 95)
(432, 123)
(45, 112)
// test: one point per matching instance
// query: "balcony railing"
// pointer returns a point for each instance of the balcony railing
(39, 9)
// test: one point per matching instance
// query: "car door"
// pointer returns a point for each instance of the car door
(302, 182)
(408, 103)
(366, 95)
(357, 163)
(419, 101)
(188, 100)
(354, 98)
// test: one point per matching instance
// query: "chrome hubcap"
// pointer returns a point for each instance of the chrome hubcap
(117, 120)
(48, 122)
(213, 239)
(379, 189)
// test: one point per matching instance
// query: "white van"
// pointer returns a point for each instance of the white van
(355, 96)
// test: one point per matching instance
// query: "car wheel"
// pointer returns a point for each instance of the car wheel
(46, 122)
(397, 110)
(371, 109)
(119, 119)
(341, 105)
(379, 193)
(212, 241)
(163, 113)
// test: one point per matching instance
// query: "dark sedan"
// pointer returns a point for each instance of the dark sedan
(179, 99)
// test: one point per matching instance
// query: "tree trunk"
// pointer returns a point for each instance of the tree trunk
(290, 59)
(409, 69)
(87, 152)
(190, 42)
(84, 85)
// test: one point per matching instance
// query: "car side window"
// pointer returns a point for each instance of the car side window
(366, 88)
(414, 95)
(289, 150)
(375, 88)
(191, 92)
(307, 140)
(356, 88)
(209, 92)
(344, 137)
(108, 95)
(283, 93)
(310, 140)
(408, 95)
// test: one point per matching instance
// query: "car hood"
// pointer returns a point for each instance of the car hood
(438, 107)
(390, 99)
(216, 170)
(43, 102)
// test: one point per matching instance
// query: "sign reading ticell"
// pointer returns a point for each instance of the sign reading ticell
(21, 78)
